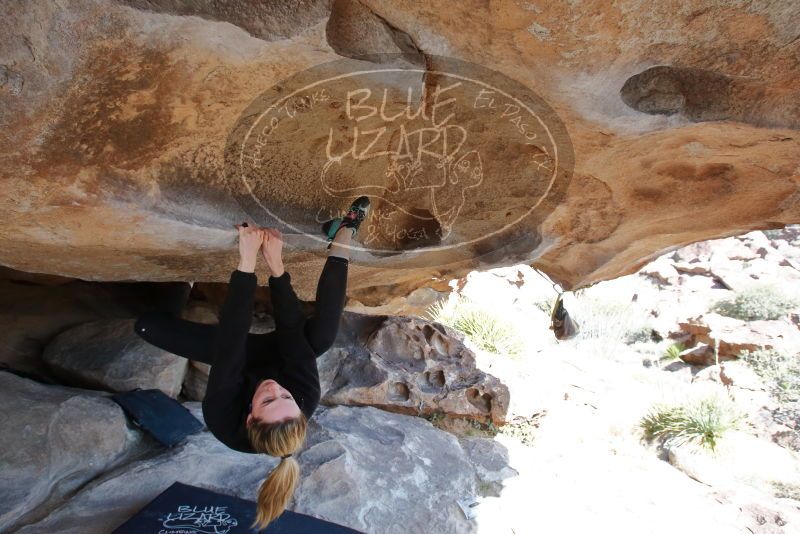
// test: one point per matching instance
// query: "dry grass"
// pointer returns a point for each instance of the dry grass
(483, 326)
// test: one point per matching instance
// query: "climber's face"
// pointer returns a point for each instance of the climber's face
(272, 403)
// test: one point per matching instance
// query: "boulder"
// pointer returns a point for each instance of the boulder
(740, 375)
(379, 472)
(36, 308)
(196, 380)
(361, 467)
(53, 440)
(700, 354)
(490, 459)
(115, 116)
(108, 354)
(411, 366)
(732, 336)
(699, 465)
(698, 267)
(661, 271)
(740, 458)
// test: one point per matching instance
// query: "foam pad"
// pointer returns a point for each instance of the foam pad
(159, 415)
(184, 509)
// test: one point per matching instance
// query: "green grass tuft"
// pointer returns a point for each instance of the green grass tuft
(673, 352)
(702, 422)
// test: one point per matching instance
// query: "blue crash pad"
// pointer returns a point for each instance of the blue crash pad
(184, 509)
(161, 416)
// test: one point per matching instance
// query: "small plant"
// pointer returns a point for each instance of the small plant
(761, 302)
(786, 491)
(483, 326)
(544, 305)
(613, 321)
(643, 333)
(435, 417)
(780, 371)
(522, 428)
(672, 353)
(703, 422)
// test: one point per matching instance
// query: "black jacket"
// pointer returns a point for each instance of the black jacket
(235, 373)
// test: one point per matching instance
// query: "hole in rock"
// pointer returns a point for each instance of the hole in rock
(428, 332)
(399, 392)
(435, 378)
(481, 401)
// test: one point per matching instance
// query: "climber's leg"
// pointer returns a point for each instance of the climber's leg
(321, 328)
(178, 336)
(164, 329)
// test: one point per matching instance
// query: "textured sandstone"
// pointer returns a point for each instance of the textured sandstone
(114, 116)
(409, 366)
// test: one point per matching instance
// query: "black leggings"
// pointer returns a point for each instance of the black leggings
(195, 340)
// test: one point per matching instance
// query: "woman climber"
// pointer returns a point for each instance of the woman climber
(263, 388)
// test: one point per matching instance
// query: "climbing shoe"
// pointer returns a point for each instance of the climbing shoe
(355, 214)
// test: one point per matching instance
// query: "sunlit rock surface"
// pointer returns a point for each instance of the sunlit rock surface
(114, 118)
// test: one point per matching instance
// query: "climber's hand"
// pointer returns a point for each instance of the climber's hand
(271, 250)
(250, 240)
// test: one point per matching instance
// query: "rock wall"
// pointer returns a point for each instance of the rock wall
(114, 118)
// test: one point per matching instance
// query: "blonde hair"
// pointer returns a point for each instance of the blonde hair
(277, 439)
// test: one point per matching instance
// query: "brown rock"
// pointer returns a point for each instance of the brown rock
(661, 271)
(115, 116)
(732, 336)
(409, 366)
(699, 267)
(700, 354)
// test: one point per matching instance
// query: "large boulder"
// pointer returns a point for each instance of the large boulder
(732, 336)
(53, 440)
(108, 354)
(362, 467)
(412, 366)
(114, 118)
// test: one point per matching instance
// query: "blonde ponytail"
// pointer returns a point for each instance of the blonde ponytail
(277, 439)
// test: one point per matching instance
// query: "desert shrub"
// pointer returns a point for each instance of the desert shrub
(610, 320)
(783, 490)
(483, 326)
(761, 302)
(780, 372)
(702, 421)
(545, 305)
(642, 333)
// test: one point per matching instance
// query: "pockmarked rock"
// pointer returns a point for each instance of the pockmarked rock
(108, 354)
(52, 441)
(411, 366)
